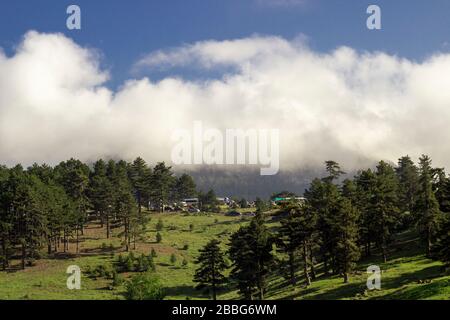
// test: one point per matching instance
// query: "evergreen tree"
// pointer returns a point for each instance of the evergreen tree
(346, 235)
(427, 206)
(441, 248)
(408, 178)
(184, 188)
(162, 183)
(211, 265)
(124, 203)
(384, 205)
(251, 252)
(100, 193)
(296, 234)
(366, 182)
(140, 176)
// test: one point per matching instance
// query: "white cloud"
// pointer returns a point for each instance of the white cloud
(348, 106)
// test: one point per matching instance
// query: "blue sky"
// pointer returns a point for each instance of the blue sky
(124, 31)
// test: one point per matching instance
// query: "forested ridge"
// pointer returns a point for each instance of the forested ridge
(340, 222)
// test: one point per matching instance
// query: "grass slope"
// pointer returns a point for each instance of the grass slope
(407, 275)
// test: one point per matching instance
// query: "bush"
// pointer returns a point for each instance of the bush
(117, 279)
(158, 237)
(129, 263)
(145, 286)
(153, 253)
(151, 264)
(186, 247)
(159, 225)
(184, 263)
(191, 227)
(173, 258)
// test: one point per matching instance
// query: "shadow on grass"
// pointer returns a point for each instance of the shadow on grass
(185, 290)
(422, 291)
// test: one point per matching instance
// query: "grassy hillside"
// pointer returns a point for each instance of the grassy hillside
(407, 275)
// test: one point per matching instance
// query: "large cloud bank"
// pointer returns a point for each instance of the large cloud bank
(344, 105)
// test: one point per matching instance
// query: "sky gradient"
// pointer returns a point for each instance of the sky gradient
(124, 31)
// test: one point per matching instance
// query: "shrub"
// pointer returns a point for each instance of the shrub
(186, 247)
(145, 286)
(117, 279)
(184, 263)
(129, 263)
(173, 258)
(191, 227)
(159, 225)
(151, 264)
(143, 263)
(153, 253)
(158, 237)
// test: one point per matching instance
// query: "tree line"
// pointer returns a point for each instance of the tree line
(44, 206)
(340, 222)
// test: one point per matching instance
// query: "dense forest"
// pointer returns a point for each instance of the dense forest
(45, 206)
(339, 222)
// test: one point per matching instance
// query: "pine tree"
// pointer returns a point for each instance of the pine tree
(211, 264)
(251, 252)
(100, 194)
(346, 235)
(184, 188)
(408, 178)
(366, 182)
(384, 205)
(427, 206)
(140, 176)
(296, 234)
(162, 183)
(124, 203)
(6, 222)
(322, 197)
(441, 248)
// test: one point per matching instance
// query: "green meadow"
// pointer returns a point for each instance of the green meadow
(407, 275)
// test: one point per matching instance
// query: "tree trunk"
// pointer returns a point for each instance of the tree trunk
(107, 226)
(78, 240)
(305, 262)
(292, 268)
(4, 253)
(313, 270)
(214, 291)
(64, 241)
(345, 277)
(24, 254)
(325, 265)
